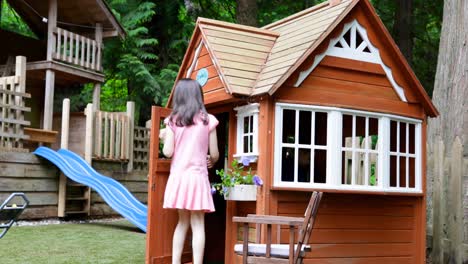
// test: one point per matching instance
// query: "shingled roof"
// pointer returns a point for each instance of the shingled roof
(252, 61)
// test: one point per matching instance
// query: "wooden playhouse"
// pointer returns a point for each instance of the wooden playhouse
(321, 100)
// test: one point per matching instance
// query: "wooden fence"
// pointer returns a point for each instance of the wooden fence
(450, 203)
(78, 50)
(141, 148)
(12, 108)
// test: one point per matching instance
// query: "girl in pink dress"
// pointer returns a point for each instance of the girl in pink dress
(190, 134)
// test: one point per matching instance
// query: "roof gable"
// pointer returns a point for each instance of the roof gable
(300, 35)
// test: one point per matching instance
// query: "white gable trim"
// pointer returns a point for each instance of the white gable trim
(339, 47)
(195, 60)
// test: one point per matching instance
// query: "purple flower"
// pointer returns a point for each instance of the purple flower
(257, 180)
(245, 161)
(225, 189)
(213, 190)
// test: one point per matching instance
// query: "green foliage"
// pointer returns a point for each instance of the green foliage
(11, 21)
(129, 62)
(233, 176)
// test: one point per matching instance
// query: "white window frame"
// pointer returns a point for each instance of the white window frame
(250, 110)
(334, 150)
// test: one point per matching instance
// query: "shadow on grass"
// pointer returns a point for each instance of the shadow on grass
(120, 226)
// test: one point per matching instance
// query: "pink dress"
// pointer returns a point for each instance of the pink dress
(188, 186)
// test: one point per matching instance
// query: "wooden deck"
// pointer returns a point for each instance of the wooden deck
(65, 73)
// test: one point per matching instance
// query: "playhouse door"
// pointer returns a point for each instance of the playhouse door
(161, 222)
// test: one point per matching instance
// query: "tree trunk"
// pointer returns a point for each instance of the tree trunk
(451, 82)
(403, 28)
(247, 12)
(450, 96)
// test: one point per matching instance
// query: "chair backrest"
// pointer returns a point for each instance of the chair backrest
(309, 219)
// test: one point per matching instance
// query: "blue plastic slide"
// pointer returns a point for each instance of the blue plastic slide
(114, 193)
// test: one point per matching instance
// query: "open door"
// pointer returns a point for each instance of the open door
(161, 222)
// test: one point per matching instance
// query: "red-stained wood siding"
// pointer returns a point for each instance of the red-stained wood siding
(354, 228)
(349, 84)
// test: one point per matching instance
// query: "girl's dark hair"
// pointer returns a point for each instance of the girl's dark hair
(187, 103)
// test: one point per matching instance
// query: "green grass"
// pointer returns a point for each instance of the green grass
(109, 242)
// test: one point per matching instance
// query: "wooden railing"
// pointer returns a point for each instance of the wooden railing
(109, 135)
(76, 49)
(141, 148)
(12, 108)
(112, 136)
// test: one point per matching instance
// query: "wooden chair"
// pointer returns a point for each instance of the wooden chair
(292, 253)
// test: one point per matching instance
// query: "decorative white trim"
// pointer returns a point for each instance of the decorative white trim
(334, 133)
(350, 51)
(195, 60)
(251, 110)
(334, 150)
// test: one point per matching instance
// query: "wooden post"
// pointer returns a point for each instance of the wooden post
(131, 121)
(97, 97)
(49, 100)
(98, 38)
(62, 192)
(89, 133)
(51, 25)
(20, 71)
(97, 64)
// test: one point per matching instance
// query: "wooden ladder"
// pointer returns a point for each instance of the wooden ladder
(78, 199)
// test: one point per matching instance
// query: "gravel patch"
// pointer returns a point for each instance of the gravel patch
(58, 221)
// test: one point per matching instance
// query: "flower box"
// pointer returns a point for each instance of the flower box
(244, 192)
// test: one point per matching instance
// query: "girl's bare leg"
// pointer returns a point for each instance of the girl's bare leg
(179, 236)
(197, 220)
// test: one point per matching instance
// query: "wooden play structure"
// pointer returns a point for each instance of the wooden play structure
(67, 53)
(322, 100)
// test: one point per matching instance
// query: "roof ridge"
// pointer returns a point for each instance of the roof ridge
(208, 21)
(296, 15)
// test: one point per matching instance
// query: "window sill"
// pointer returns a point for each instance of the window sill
(355, 191)
(250, 157)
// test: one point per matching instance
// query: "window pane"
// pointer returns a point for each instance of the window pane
(321, 128)
(246, 124)
(393, 172)
(360, 131)
(403, 137)
(250, 143)
(393, 136)
(373, 132)
(305, 121)
(402, 171)
(287, 165)
(412, 172)
(303, 170)
(347, 164)
(320, 166)
(412, 138)
(246, 144)
(347, 130)
(251, 124)
(289, 125)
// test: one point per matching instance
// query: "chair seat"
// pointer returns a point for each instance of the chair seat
(277, 250)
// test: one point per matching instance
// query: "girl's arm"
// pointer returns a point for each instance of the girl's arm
(213, 148)
(168, 139)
